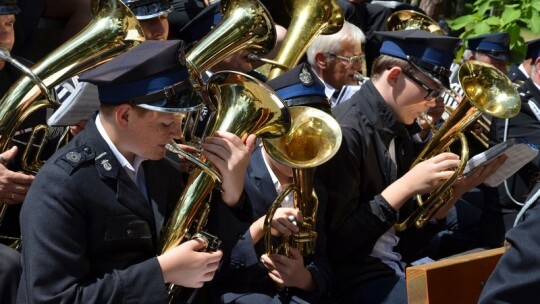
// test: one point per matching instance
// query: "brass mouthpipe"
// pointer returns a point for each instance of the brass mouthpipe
(254, 58)
(5, 55)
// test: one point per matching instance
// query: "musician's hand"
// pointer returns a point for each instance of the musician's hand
(230, 156)
(289, 271)
(282, 224)
(187, 266)
(471, 180)
(285, 221)
(429, 174)
(13, 185)
(477, 176)
(423, 178)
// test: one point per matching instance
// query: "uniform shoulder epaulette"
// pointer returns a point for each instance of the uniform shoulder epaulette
(74, 158)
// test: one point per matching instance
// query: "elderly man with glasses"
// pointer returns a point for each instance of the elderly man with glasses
(337, 59)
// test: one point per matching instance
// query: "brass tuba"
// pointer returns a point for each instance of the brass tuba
(244, 106)
(238, 104)
(308, 19)
(487, 90)
(313, 139)
(113, 30)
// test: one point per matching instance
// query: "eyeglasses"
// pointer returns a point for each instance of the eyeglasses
(431, 93)
(350, 60)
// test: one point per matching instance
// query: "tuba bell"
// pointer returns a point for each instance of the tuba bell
(309, 19)
(245, 24)
(113, 30)
(314, 137)
(487, 90)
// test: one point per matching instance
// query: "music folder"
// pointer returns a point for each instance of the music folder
(79, 104)
(519, 151)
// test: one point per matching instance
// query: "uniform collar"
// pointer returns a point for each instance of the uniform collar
(382, 117)
(131, 169)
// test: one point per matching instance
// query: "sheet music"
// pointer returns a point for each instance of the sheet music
(519, 152)
(81, 103)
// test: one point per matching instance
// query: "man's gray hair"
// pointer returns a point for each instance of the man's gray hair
(333, 43)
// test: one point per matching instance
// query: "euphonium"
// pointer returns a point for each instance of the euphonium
(314, 137)
(244, 106)
(113, 30)
(487, 90)
(308, 19)
(238, 104)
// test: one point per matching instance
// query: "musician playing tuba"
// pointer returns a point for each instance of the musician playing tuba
(92, 234)
(249, 275)
(370, 182)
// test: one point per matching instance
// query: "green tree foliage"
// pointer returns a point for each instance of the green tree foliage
(490, 16)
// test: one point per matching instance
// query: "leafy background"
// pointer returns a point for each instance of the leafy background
(520, 18)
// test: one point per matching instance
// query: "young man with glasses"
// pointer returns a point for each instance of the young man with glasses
(336, 59)
(370, 182)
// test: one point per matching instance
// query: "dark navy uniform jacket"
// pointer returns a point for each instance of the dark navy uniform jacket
(242, 278)
(515, 279)
(357, 215)
(516, 75)
(89, 234)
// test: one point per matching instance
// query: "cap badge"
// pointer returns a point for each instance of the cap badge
(305, 77)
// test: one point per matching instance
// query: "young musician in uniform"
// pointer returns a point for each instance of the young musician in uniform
(92, 235)
(370, 181)
(250, 275)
